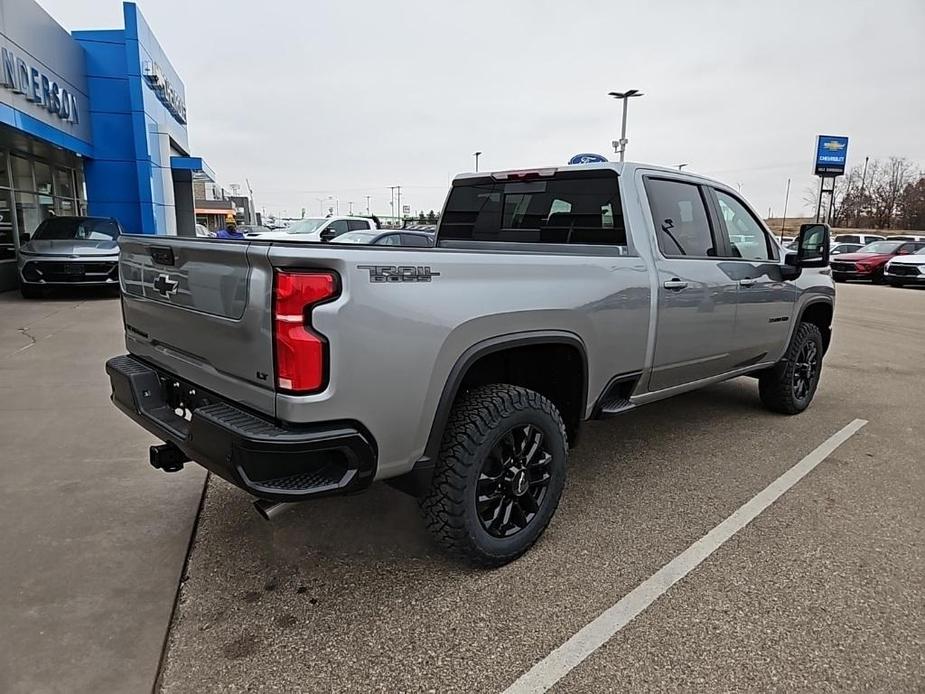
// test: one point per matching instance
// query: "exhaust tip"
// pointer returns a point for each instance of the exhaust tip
(268, 510)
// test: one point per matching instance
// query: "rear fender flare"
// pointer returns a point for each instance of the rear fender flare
(472, 355)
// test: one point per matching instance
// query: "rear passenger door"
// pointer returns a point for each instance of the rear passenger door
(765, 299)
(695, 322)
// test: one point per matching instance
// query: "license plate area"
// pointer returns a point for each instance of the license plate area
(73, 269)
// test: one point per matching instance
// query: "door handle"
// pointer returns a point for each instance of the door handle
(748, 282)
(675, 284)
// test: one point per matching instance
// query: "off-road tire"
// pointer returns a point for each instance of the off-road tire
(776, 385)
(478, 422)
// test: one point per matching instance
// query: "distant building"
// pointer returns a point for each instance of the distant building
(91, 122)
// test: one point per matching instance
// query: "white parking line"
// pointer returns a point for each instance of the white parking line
(583, 643)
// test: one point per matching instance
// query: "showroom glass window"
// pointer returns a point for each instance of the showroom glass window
(7, 244)
(32, 190)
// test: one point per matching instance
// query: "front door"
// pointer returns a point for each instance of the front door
(765, 299)
(696, 296)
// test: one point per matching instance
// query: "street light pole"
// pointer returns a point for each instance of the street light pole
(619, 146)
(784, 218)
(857, 217)
(476, 155)
(367, 206)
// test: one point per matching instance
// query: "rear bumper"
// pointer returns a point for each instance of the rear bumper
(262, 457)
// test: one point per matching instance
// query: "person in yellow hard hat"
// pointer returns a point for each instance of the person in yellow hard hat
(230, 231)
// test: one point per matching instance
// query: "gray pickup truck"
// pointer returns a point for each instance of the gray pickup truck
(462, 373)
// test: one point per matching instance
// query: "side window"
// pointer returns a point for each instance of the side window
(338, 226)
(389, 240)
(747, 238)
(357, 225)
(680, 215)
(415, 241)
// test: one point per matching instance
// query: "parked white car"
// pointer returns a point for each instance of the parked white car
(862, 239)
(317, 229)
(906, 269)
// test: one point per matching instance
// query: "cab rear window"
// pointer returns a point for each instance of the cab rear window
(578, 209)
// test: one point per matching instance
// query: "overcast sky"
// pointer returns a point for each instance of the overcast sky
(309, 99)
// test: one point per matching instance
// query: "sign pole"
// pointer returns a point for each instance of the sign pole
(819, 198)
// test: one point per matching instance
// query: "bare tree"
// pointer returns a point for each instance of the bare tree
(887, 184)
(912, 205)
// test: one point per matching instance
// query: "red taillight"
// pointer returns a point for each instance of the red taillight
(301, 353)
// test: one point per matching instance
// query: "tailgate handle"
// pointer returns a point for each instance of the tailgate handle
(162, 255)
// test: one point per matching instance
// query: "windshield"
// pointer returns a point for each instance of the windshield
(306, 226)
(354, 237)
(881, 247)
(76, 229)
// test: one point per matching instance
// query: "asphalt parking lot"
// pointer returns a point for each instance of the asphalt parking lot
(823, 591)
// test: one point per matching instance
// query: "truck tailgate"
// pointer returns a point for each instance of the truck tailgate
(200, 309)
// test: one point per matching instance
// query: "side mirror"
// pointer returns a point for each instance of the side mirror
(812, 250)
(24, 237)
(903, 251)
(813, 245)
(327, 235)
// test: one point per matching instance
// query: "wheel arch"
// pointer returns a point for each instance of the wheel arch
(819, 312)
(498, 346)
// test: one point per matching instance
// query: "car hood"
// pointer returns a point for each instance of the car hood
(71, 247)
(854, 257)
(913, 259)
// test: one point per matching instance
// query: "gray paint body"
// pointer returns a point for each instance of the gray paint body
(393, 345)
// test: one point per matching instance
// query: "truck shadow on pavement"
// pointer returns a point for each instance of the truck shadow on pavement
(383, 524)
(337, 587)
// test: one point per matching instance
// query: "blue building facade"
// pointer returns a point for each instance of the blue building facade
(92, 122)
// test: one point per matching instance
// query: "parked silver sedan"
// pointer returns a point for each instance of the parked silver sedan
(69, 251)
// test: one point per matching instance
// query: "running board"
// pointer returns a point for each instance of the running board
(616, 396)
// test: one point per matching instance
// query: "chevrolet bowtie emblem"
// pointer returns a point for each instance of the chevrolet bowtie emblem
(165, 286)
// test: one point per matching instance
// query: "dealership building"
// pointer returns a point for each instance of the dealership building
(91, 122)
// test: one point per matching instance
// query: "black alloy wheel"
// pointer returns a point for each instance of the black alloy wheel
(513, 481)
(805, 370)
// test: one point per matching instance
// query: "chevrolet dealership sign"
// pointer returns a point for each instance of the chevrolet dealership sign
(168, 95)
(831, 155)
(36, 86)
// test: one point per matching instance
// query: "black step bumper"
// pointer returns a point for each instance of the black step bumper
(269, 460)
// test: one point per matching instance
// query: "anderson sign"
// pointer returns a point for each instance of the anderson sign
(22, 78)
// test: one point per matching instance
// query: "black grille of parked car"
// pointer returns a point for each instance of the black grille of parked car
(70, 271)
(842, 267)
(905, 270)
